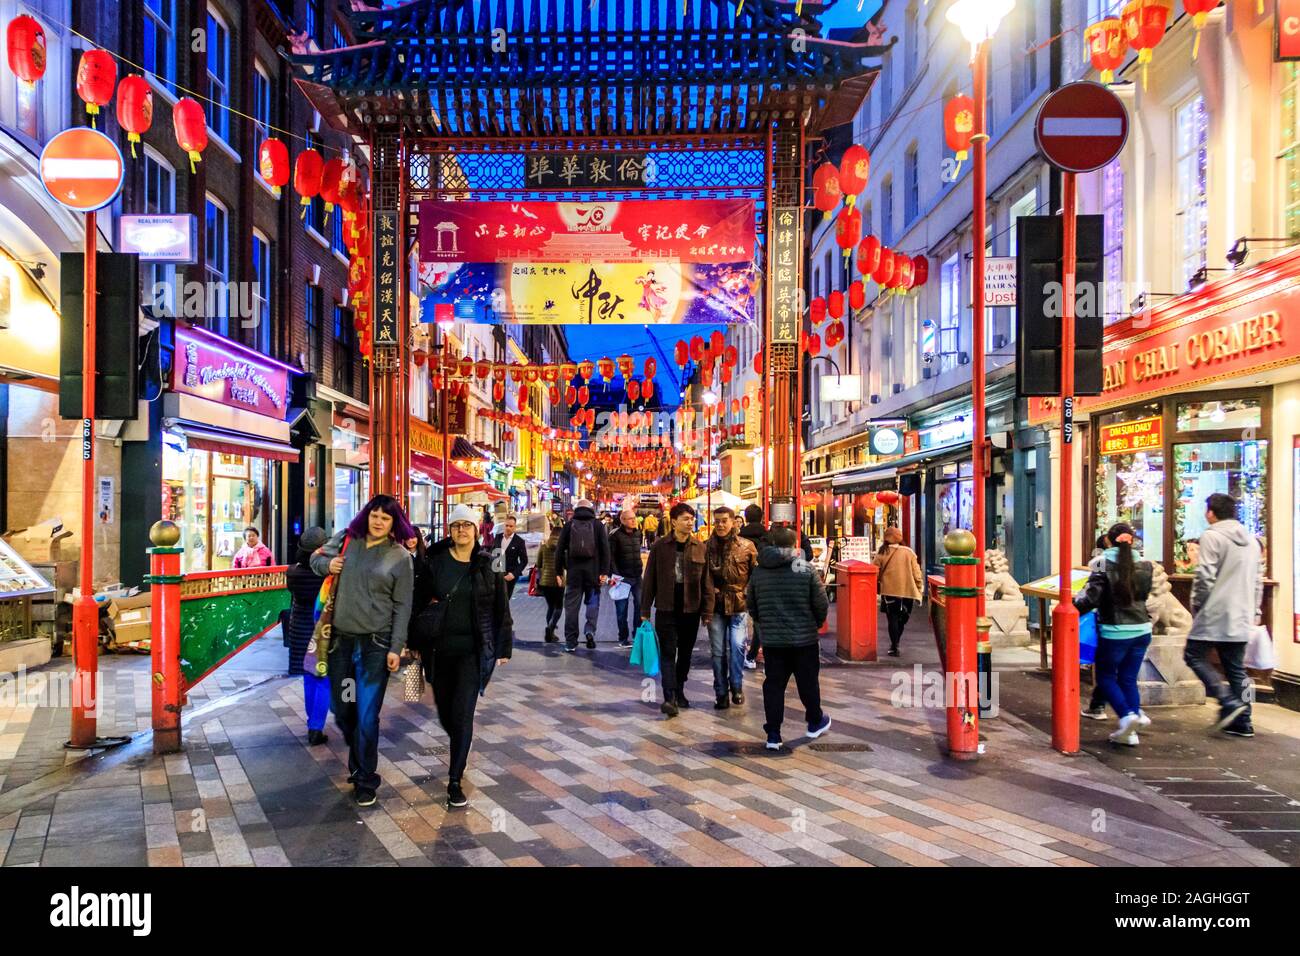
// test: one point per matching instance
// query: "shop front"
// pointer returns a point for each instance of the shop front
(350, 465)
(1202, 395)
(431, 492)
(224, 439)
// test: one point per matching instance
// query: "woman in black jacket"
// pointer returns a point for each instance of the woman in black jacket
(304, 586)
(462, 630)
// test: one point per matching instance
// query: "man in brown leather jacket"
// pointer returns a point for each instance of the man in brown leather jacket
(675, 583)
(730, 559)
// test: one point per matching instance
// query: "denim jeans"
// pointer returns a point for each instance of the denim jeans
(727, 642)
(620, 610)
(1232, 656)
(358, 673)
(1118, 663)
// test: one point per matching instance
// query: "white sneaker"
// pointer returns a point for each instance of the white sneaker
(1143, 719)
(751, 665)
(1125, 734)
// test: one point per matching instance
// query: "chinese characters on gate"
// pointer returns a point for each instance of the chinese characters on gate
(589, 170)
(785, 279)
(387, 278)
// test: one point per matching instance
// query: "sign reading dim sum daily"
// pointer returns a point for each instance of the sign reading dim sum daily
(1127, 437)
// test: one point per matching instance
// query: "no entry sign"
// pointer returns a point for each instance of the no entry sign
(82, 169)
(1081, 127)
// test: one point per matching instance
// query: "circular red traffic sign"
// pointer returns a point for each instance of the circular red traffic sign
(82, 169)
(1081, 127)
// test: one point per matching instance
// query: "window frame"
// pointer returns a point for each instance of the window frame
(313, 318)
(911, 185)
(1288, 153)
(211, 274)
(265, 297)
(164, 272)
(154, 20)
(1201, 152)
(218, 104)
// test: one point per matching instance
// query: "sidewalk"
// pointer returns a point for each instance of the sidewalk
(574, 764)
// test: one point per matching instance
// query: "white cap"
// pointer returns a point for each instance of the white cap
(463, 513)
(584, 503)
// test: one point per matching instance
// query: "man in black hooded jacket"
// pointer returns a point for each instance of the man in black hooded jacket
(582, 563)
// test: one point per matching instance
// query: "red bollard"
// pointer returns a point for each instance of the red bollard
(961, 679)
(856, 618)
(165, 636)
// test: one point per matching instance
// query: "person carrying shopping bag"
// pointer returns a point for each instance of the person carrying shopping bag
(371, 613)
(676, 588)
(900, 584)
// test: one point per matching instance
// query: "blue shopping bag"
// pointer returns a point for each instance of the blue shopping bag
(645, 649)
(1088, 635)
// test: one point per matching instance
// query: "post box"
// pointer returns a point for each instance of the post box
(857, 615)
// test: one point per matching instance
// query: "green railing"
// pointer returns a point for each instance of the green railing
(222, 612)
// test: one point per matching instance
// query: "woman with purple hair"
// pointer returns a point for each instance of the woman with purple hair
(372, 610)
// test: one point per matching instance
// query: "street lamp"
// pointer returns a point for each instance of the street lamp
(710, 397)
(979, 20)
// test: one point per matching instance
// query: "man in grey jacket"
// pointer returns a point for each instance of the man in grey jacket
(1227, 594)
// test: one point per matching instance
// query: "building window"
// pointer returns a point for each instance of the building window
(830, 273)
(316, 21)
(336, 235)
(262, 273)
(911, 46)
(337, 40)
(160, 199)
(1025, 78)
(887, 212)
(911, 186)
(262, 97)
(216, 249)
(911, 339)
(314, 306)
(160, 40)
(315, 218)
(1100, 9)
(1290, 149)
(1113, 241)
(343, 349)
(1192, 207)
(886, 83)
(217, 106)
(867, 220)
(950, 313)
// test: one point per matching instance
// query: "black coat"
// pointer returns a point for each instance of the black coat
(755, 532)
(304, 586)
(493, 624)
(625, 552)
(1099, 594)
(790, 605)
(583, 572)
(516, 554)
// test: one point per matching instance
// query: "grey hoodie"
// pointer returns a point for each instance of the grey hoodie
(1228, 589)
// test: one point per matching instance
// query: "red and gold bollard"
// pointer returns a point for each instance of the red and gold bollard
(961, 678)
(165, 632)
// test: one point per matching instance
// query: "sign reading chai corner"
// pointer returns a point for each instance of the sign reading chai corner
(205, 369)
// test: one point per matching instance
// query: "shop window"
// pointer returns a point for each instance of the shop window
(1229, 413)
(1130, 475)
(212, 498)
(1235, 468)
(1191, 132)
(1289, 149)
(954, 502)
(217, 105)
(349, 495)
(185, 500)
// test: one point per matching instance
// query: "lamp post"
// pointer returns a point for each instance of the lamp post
(978, 21)
(710, 399)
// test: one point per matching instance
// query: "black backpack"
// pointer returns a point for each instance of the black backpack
(582, 539)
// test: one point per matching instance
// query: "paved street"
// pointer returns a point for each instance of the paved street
(573, 764)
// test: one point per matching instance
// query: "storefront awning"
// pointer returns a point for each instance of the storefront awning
(463, 449)
(864, 476)
(460, 481)
(234, 443)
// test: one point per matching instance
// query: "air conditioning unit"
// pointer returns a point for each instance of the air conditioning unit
(963, 358)
(898, 387)
(875, 399)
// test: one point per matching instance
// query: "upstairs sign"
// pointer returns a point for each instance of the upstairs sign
(1081, 127)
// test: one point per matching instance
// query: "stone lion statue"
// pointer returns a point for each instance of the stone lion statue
(1168, 616)
(999, 585)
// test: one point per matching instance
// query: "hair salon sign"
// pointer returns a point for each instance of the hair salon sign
(223, 375)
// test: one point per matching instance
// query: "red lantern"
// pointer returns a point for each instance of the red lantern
(717, 341)
(1144, 27)
(1199, 11)
(758, 363)
(868, 255)
(887, 497)
(272, 162)
(848, 230)
(884, 275)
(1106, 46)
(625, 363)
(735, 406)
(191, 128)
(857, 294)
(418, 356)
(532, 374)
(835, 304)
(681, 353)
(651, 366)
(96, 77)
(331, 178)
(633, 390)
(584, 396)
(744, 403)
(498, 391)
(570, 396)
(25, 38)
(730, 356)
(523, 397)
(482, 369)
(903, 272)
(813, 344)
(606, 366)
(134, 108)
(959, 125)
(648, 389)
(697, 348)
(465, 367)
(307, 171)
(869, 501)
(817, 310)
(855, 167)
(726, 374)
(921, 267)
(585, 368)
(826, 187)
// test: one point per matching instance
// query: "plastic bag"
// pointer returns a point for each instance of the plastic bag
(645, 649)
(620, 589)
(1088, 636)
(1260, 655)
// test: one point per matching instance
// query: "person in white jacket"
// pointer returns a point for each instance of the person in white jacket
(1227, 594)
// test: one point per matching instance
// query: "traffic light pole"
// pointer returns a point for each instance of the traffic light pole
(1065, 619)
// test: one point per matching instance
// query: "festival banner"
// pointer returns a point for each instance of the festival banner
(660, 293)
(687, 230)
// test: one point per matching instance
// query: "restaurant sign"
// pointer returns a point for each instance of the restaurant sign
(1127, 437)
(205, 369)
(425, 439)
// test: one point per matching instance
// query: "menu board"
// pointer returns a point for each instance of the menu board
(17, 577)
(855, 549)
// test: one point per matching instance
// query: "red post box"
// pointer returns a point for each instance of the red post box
(857, 616)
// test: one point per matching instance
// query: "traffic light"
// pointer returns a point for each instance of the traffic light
(117, 330)
(1039, 291)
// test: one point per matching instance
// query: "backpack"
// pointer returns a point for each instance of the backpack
(582, 539)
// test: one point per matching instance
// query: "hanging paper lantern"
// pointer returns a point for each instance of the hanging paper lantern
(1144, 28)
(959, 125)
(735, 406)
(25, 39)
(681, 353)
(744, 403)
(516, 372)
(848, 230)
(717, 341)
(418, 357)
(570, 396)
(835, 304)
(191, 128)
(857, 294)
(498, 391)
(884, 274)
(869, 501)
(584, 396)
(331, 178)
(758, 362)
(726, 374)
(855, 168)
(606, 366)
(730, 356)
(465, 367)
(523, 397)
(904, 273)
(887, 497)
(499, 372)
(817, 310)
(921, 268)
(532, 374)
(307, 172)
(633, 390)
(625, 364)
(1199, 11)
(272, 161)
(482, 369)
(813, 344)
(134, 108)
(1106, 46)
(648, 389)
(96, 77)
(585, 368)
(697, 348)
(826, 187)
(868, 255)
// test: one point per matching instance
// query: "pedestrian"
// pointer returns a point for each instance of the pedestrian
(754, 531)
(462, 635)
(1119, 583)
(514, 554)
(788, 599)
(582, 563)
(487, 527)
(900, 583)
(1096, 709)
(304, 586)
(547, 579)
(730, 560)
(651, 528)
(1227, 595)
(372, 611)
(625, 560)
(675, 585)
(253, 554)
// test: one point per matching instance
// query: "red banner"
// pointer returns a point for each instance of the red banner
(686, 230)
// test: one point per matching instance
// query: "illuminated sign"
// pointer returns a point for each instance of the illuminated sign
(886, 441)
(1128, 437)
(232, 377)
(1286, 30)
(159, 238)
